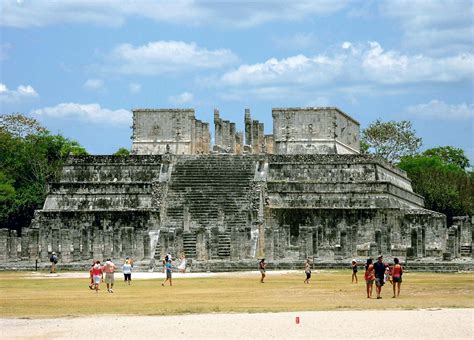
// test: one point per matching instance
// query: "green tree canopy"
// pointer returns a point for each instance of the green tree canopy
(449, 155)
(122, 152)
(392, 140)
(445, 186)
(30, 157)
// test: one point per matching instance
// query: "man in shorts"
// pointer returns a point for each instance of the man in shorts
(379, 268)
(109, 270)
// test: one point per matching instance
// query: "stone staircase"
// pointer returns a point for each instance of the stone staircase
(189, 244)
(215, 191)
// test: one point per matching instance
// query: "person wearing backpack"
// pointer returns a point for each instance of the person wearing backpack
(54, 260)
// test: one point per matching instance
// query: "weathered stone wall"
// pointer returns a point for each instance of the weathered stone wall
(314, 131)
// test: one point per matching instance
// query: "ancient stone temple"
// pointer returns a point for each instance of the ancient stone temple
(302, 192)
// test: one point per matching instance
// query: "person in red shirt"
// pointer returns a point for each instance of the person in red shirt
(397, 272)
(97, 275)
(369, 277)
(91, 285)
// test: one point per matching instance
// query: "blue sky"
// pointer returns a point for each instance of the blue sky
(80, 66)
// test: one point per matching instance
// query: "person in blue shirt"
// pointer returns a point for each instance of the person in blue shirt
(169, 270)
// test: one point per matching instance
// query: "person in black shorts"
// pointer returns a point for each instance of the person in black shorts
(379, 268)
(262, 265)
(354, 270)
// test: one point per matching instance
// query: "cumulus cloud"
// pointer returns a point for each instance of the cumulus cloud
(94, 85)
(182, 98)
(22, 92)
(441, 110)
(92, 113)
(134, 88)
(354, 63)
(160, 57)
(115, 13)
(437, 27)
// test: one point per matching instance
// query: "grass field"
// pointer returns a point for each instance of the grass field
(24, 296)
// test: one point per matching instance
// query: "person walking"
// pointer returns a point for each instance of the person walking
(262, 265)
(397, 272)
(369, 277)
(91, 285)
(169, 271)
(182, 265)
(97, 275)
(307, 271)
(354, 271)
(379, 268)
(109, 269)
(54, 260)
(127, 271)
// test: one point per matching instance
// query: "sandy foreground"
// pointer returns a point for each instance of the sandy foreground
(416, 324)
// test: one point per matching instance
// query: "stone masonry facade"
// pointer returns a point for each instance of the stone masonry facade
(302, 192)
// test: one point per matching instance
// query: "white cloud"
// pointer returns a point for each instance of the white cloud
(94, 85)
(183, 98)
(134, 88)
(440, 110)
(434, 27)
(160, 57)
(92, 113)
(114, 13)
(22, 92)
(353, 63)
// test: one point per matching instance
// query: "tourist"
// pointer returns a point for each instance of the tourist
(369, 277)
(262, 265)
(182, 265)
(169, 271)
(109, 269)
(54, 260)
(91, 285)
(379, 268)
(307, 271)
(354, 271)
(386, 276)
(397, 272)
(97, 275)
(127, 271)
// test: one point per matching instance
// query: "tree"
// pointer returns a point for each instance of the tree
(122, 152)
(445, 186)
(19, 125)
(449, 155)
(391, 140)
(30, 157)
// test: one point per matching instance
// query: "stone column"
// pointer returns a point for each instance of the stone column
(269, 243)
(232, 137)
(139, 252)
(13, 242)
(76, 243)
(255, 145)
(306, 242)
(206, 138)
(248, 128)
(202, 241)
(25, 241)
(218, 128)
(261, 137)
(33, 245)
(117, 241)
(4, 244)
(214, 242)
(108, 244)
(239, 145)
(127, 242)
(97, 251)
(66, 244)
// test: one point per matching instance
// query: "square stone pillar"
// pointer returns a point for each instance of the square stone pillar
(202, 245)
(13, 245)
(269, 240)
(33, 245)
(127, 241)
(25, 241)
(66, 245)
(4, 233)
(76, 244)
(97, 243)
(139, 251)
(306, 242)
(108, 244)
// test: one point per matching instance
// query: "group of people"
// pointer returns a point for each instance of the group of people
(379, 273)
(97, 270)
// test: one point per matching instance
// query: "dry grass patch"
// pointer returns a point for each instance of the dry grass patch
(23, 296)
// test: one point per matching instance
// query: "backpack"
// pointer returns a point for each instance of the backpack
(53, 259)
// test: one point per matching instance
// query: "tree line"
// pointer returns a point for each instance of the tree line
(31, 156)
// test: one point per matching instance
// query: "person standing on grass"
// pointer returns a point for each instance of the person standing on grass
(182, 265)
(169, 271)
(97, 275)
(91, 285)
(307, 270)
(109, 275)
(354, 271)
(397, 272)
(54, 261)
(262, 265)
(379, 268)
(369, 277)
(127, 271)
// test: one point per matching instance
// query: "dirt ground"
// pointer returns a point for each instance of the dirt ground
(416, 324)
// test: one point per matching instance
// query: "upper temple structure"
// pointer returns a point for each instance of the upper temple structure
(302, 192)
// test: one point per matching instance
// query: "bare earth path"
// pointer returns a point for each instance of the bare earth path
(416, 324)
